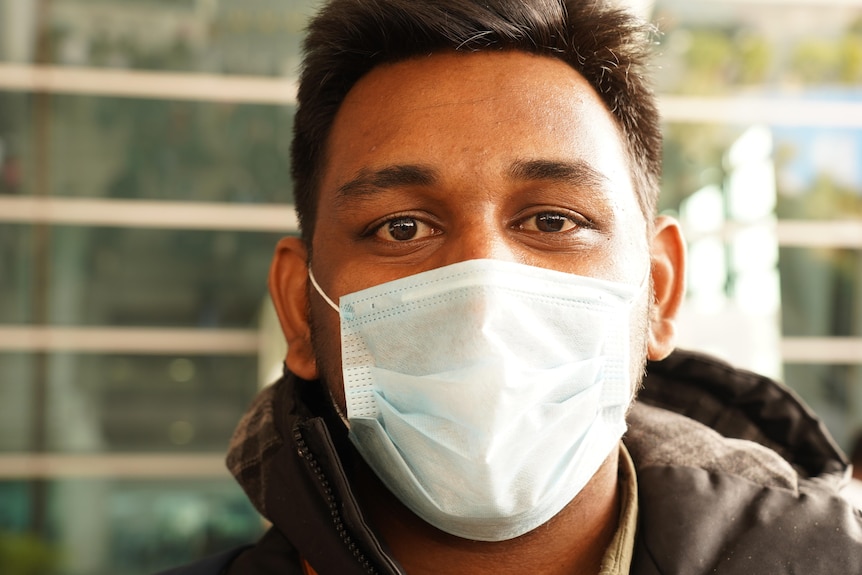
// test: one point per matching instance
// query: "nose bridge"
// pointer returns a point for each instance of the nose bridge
(482, 239)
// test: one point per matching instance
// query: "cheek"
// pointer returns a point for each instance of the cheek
(639, 335)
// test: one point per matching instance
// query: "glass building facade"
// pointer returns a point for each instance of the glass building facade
(144, 182)
(143, 186)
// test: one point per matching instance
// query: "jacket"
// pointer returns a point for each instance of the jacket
(735, 476)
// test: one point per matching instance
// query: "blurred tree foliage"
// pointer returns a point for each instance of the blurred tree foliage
(715, 60)
(830, 60)
(824, 199)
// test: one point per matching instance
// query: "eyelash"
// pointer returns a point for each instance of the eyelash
(578, 221)
(373, 229)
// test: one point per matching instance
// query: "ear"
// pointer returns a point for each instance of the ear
(667, 255)
(288, 278)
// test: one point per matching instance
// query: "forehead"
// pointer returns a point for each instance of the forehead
(473, 114)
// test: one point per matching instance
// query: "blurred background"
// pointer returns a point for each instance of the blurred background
(144, 181)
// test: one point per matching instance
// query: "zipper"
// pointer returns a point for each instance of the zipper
(332, 504)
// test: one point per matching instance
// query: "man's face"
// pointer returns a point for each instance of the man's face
(453, 157)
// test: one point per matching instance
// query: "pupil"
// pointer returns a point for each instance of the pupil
(550, 222)
(402, 229)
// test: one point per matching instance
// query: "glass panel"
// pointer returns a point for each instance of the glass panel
(16, 125)
(133, 277)
(259, 37)
(834, 392)
(110, 527)
(821, 292)
(122, 403)
(17, 371)
(17, 272)
(144, 149)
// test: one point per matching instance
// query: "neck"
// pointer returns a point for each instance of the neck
(571, 543)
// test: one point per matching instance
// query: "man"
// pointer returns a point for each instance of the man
(479, 285)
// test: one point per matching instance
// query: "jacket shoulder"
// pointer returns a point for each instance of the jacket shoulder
(743, 405)
(697, 521)
(735, 475)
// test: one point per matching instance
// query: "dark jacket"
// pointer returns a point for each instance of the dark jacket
(735, 476)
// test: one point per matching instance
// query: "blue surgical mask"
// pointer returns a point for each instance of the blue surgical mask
(486, 394)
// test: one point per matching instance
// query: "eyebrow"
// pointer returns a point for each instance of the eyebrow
(369, 182)
(578, 172)
(403, 175)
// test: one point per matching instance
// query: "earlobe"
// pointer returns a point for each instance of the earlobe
(288, 277)
(667, 255)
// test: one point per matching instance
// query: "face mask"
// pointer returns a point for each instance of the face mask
(486, 394)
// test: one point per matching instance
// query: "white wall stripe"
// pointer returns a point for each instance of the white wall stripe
(105, 340)
(136, 466)
(116, 340)
(795, 233)
(743, 111)
(820, 234)
(831, 350)
(282, 91)
(141, 84)
(279, 218)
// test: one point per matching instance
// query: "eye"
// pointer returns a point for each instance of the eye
(549, 222)
(404, 229)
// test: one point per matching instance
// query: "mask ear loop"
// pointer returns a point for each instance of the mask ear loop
(320, 291)
(331, 303)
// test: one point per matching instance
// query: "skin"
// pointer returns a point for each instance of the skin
(452, 157)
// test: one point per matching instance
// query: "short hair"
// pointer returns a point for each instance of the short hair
(609, 47)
